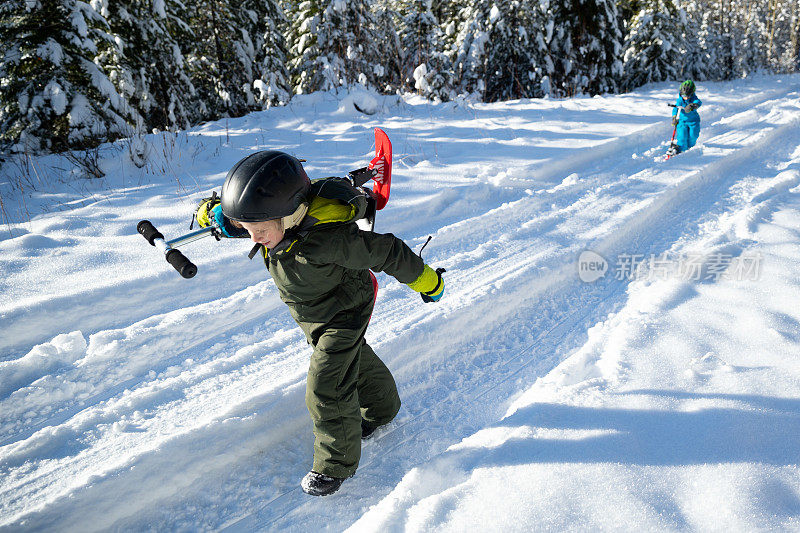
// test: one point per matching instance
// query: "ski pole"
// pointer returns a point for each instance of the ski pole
(174, 257)
(674, 130)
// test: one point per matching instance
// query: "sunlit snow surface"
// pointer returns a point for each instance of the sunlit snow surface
(664, 398)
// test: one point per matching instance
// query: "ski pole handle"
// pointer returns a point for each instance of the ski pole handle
(186, 268)
(149, 232)
(179, 262)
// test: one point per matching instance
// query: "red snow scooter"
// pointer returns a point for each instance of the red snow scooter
(379, 170)
(673, 147)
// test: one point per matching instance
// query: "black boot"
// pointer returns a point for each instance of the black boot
(319, 484)
(367, 429)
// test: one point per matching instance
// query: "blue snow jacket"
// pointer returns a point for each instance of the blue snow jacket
(694, 116)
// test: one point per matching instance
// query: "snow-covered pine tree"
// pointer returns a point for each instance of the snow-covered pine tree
(470, 48)
(224, 53)
(789, 60)
(448, 13)
(272, 81)
(53, 96)
(738, 38)
(604, 49)
(207, 56)
(513, 64)
(417, 30)
(627, 10)
(426, 67)
(715, 38)
(585, 47)
(695, 60)
(387, 19)
(783, 35)
(153, 75)
(348, 48)
(501, 49)
(301, 38)
(750, 33)
(654, 46)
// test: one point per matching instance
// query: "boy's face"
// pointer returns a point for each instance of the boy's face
(269, 233)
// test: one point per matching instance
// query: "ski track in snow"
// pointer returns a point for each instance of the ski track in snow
(192, 412)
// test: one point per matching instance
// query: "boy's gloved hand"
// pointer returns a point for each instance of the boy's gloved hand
(430, 284)
(690, 107)
(209, 212)
(436, 294)
(203, 213)
(674, 120)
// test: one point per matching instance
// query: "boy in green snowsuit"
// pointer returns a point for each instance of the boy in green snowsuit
(321, 263)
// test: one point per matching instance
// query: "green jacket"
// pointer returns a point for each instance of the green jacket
(322, 268)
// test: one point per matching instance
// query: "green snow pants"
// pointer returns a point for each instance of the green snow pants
(346, 381)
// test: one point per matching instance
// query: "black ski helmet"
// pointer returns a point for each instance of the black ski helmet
(687, 88)
(264, 186)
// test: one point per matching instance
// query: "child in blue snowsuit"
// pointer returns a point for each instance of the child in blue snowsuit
(687, 121)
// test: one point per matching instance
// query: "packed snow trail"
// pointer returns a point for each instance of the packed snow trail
(525, 152)
(649, 406)
(193, 415)
(656, 224)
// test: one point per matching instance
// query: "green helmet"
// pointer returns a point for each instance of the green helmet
(687, 88)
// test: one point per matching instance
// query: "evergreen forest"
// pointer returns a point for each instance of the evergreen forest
(74, 73)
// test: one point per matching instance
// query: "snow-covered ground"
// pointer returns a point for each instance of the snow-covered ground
(663, 395)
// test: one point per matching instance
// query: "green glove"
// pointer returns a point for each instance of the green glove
(203, 213)
(436, 294)
(430, 284)
(209, 212)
